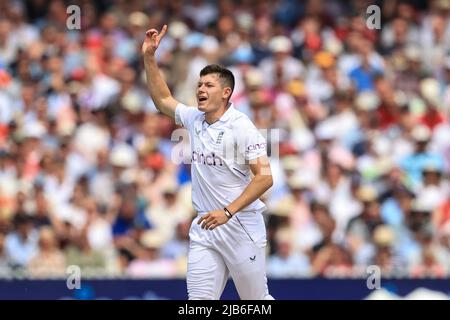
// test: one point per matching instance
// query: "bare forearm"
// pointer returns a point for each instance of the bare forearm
(156, 85)
(255, 189)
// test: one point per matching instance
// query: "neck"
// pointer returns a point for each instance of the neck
(213, 116)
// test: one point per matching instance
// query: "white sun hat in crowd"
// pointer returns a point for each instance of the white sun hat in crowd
(123, 155)
(430, 90)
(178, 29)
(325, 131)
(367, 101)
(34, 129)
(280, 44)
(139, 19)
(421, 133)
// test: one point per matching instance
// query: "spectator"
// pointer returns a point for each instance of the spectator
(49, 261)
(177, 248)
(4, 263)
(414, 163)
(386, 256)
(167, 214)
(395, 209)
(85, 155)
(361, 228)
(429, 264)
(78, 252)
(22, 244)
(148, 262)
(281, 64)
(286, 263)
(332, 261)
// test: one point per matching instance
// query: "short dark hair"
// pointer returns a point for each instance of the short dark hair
(226, 76)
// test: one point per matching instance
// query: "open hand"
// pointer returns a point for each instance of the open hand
(152, 40)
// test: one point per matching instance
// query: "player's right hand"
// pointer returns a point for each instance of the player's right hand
(213, 219)
(152, 40)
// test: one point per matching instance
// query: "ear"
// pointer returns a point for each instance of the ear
(226, 93)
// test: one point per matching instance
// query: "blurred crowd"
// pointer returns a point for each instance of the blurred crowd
(357, 118)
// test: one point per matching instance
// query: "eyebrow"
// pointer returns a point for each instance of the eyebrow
(208, 82)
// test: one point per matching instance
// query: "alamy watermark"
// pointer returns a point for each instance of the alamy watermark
(73, 277)
(243, 147)
(73, 21)
(373, 20)
(373, 281)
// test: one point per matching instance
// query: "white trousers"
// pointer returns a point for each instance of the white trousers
(230, 249)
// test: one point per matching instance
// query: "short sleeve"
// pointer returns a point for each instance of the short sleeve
(251, 141)
(184, 115)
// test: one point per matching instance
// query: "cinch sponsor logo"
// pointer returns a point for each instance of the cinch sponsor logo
(257, 146)
(208, 159)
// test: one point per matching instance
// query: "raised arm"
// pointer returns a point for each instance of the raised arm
(156, 86)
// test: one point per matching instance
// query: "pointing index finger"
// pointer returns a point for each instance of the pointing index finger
(163, 31)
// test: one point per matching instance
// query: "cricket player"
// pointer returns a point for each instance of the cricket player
(230, 171)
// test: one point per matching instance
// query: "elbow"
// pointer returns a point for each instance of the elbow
(159, 102)
(158, 106)
(269, 181)
(264, 181)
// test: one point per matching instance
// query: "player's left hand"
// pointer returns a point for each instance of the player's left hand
(213, 219)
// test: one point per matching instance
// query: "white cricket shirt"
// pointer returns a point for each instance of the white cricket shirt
(218, 154)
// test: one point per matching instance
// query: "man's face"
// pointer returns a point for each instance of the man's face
(210, 93)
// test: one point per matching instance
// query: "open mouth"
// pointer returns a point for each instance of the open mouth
(201, 99)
